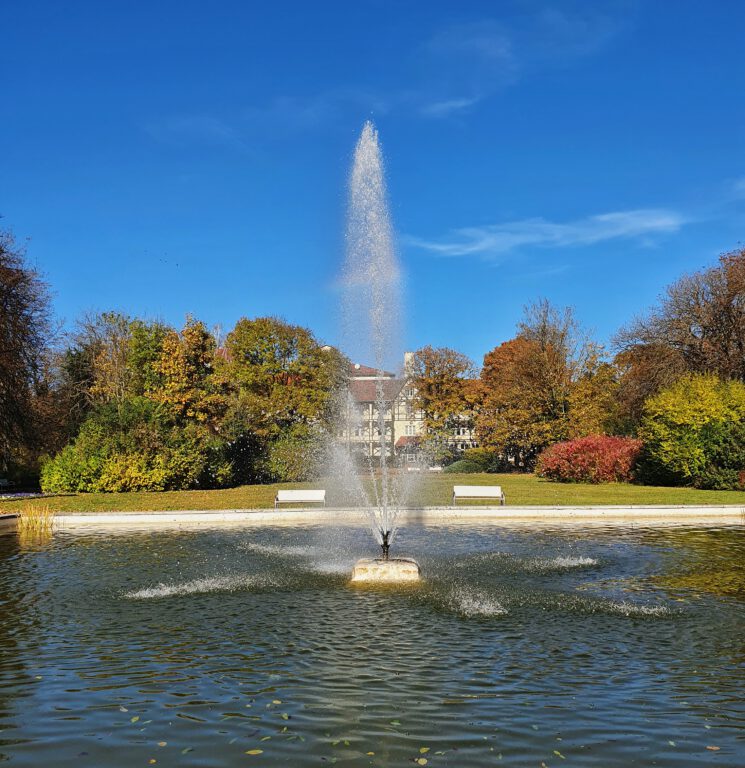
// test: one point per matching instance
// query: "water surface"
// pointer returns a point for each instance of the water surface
(602, 647)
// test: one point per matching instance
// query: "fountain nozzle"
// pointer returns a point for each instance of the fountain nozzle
(385, 546)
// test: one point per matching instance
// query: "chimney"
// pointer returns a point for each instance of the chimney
(408, 363)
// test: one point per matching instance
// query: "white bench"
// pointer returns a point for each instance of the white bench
(478, 492)
(305, 496)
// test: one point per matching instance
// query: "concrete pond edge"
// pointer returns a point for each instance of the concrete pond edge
(711, 515)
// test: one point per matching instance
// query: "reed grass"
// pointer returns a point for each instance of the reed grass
(35, 520)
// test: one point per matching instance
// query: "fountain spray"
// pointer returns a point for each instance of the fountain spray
(372, 311)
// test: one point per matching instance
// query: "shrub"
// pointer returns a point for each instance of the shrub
(293, 457)
(134, 447)
(694, 434)
(464, 466)
(488, 459)
(591, 459)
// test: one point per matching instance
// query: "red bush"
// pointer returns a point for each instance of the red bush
(591, 459)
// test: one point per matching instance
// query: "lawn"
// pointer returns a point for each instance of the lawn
(432, 490)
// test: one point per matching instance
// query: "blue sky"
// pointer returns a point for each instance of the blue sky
(190, 157)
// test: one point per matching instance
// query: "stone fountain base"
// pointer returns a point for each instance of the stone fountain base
(385, 571)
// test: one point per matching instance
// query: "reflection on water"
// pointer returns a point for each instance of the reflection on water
(232, 647)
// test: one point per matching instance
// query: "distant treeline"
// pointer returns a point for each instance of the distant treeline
(124, 403)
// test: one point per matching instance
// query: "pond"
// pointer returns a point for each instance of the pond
(234, 647)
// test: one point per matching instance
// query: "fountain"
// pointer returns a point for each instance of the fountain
(371, 315)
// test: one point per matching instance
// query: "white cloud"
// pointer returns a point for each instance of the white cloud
(500, 239)
(738, 187)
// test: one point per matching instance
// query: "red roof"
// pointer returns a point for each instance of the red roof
(356, 370)
(407, 440)
(364, 390)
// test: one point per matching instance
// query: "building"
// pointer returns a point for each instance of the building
(403, 423)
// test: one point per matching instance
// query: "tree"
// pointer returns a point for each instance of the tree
(694, 433)
(698, 327)
(281, 376)
(642, 371)
(547, 384)
(24, 336)
(99, 352)
(593, 404)
(443, 381)
(183, 376)
(512, 418)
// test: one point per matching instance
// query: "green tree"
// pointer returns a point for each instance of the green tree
(694, 433)
(281, 376)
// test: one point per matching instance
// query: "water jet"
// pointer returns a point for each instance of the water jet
(371, 312)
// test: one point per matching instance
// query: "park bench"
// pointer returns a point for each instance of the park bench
(478, 492)
(305, 496)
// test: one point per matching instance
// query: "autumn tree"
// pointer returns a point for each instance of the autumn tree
(512, 417)
(697, 327)
(593, 399)
(642, 371)
(183, 376)
(24, 335)
(547, 384)
(441, 377)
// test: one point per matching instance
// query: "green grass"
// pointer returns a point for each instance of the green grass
(433, 490)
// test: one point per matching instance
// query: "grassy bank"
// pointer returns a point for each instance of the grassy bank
(433, 490)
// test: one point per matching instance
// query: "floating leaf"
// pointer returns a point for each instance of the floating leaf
(254, 751)
(134, 719)
(276, 701)
(265, 738)
(421, 761)
(558, 754)
(714, 749)
(186, 750)
(395, 722)
(162, 743)
(671, 743)
(152, 761)
(423, 750)
(123, 709)
(370, 753)
(285, 716)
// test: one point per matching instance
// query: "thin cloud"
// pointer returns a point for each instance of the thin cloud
(501, 239)
(448, 107)
(313, 112)
(200, 129)
(463, 64)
